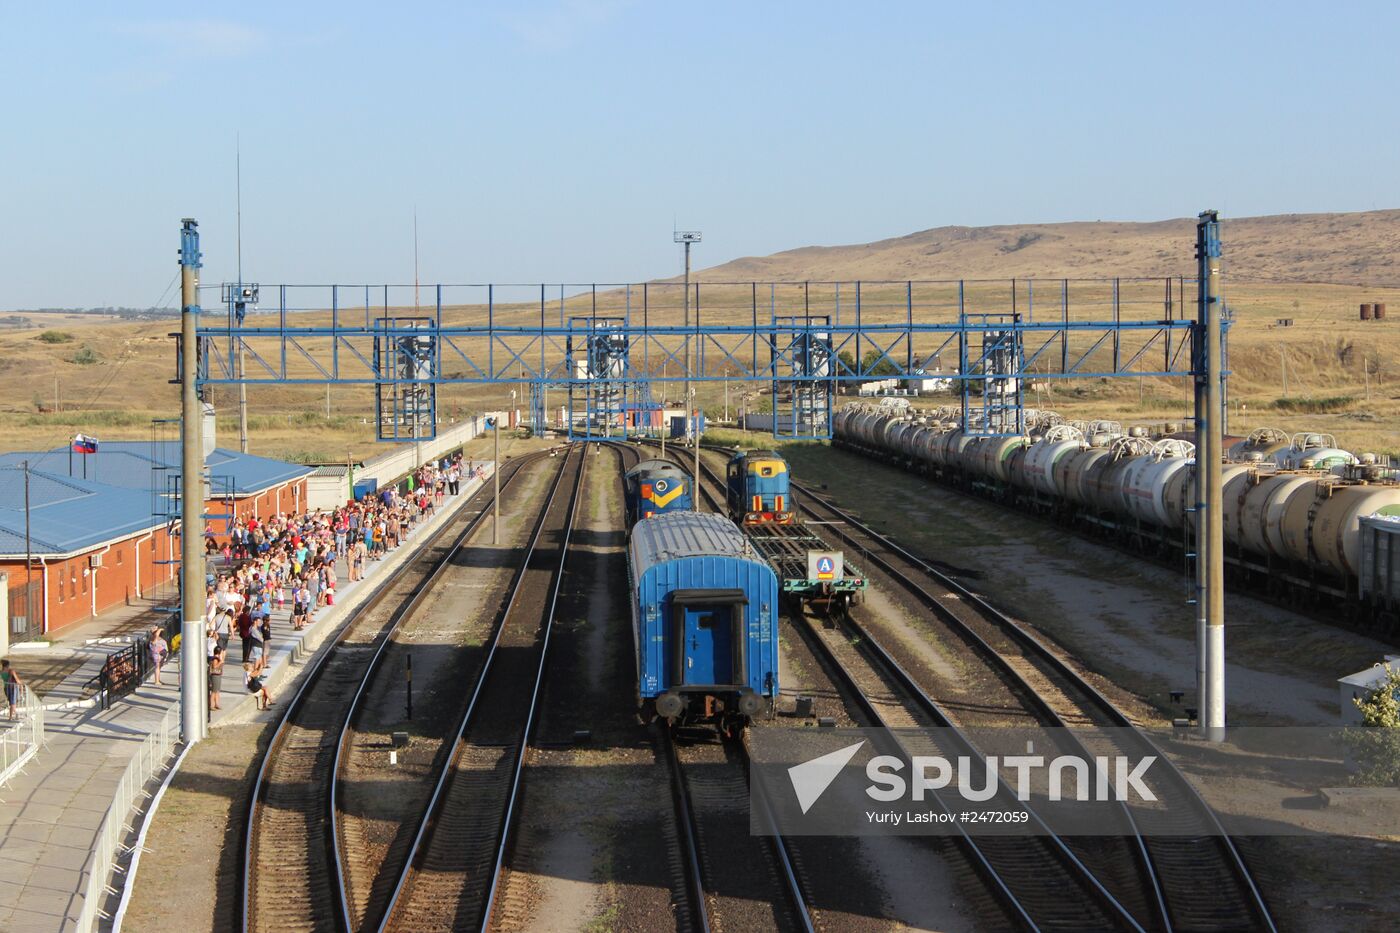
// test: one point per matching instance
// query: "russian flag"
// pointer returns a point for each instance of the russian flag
(83, 444)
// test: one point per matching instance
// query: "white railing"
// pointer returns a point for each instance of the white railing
(21, 740)
(149, 760)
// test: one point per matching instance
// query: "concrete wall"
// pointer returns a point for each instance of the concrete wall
(394, 464)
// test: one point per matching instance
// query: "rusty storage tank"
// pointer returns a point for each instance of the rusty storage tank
(948, 451)
(1328, 514)
(1106, 483)
(1038, 465)
(1016, 467)
(1144, 480)
(895, 436)
(1180, 493)
(1261, 514)
(927, 442)
(1379, 309)
(1315, 451)
(1263, 441)
(1367, 311)
(1075, 472)
(1235, 483)
(989, 456)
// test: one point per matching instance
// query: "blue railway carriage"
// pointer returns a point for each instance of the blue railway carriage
(655, 487)
(704, 619)
(758, 488)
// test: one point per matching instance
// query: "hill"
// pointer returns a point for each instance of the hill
(1348, 249)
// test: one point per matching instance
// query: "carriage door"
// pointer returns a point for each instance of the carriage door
(707, 649)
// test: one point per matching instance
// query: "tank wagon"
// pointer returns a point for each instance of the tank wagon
(1293, 506)
(704, 619)
(655, 487)
(758, 488)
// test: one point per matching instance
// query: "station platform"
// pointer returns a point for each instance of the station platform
(51, 813)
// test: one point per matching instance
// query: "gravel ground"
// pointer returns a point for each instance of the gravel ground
(593, 846)
(445, 638)
(1125, 620)
(196, 837)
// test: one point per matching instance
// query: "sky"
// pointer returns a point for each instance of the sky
(563, 140)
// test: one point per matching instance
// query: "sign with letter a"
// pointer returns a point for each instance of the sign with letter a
(826, 566)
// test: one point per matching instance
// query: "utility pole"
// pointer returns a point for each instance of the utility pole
(242, 386)
(1210, 525)
(193, 694)
(695, 476)
(687, 237)
(349, 476)
(1283, 365)
(496, 479)
(28, 556)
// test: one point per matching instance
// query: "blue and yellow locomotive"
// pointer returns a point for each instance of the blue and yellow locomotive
(758, 488)
(655, 487)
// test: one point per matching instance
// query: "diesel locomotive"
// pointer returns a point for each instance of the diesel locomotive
(758, 488)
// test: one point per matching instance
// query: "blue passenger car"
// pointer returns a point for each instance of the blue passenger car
(655, 487)
(758, 488)
(704, 619)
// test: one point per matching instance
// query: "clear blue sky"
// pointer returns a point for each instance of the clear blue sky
(560, 140)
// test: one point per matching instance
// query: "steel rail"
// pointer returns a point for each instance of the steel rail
(311, 678)
(1024, 638)
(1073, 865)
(423, 833)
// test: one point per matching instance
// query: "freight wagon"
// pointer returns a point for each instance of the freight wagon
(1293, 506)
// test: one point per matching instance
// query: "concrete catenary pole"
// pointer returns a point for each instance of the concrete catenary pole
(193, 694)
(496, 481)
(1209, 455)
(695, 475)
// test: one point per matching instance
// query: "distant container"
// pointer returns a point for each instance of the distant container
(1367, 311)
(681, 425)
(1379, 308)
(366, 487)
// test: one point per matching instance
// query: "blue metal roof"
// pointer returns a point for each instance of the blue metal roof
(145, 466)
(67, 515)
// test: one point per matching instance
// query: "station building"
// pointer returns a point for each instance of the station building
(103, 540)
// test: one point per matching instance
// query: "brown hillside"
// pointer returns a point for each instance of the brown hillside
(1351, 248)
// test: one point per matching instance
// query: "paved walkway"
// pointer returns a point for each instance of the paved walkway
(51, 813)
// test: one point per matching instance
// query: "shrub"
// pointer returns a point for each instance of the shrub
(56, 336)
(1315, 406)
(1376, 745)
(85, 357)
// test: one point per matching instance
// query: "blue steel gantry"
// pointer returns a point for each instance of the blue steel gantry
(805, 341)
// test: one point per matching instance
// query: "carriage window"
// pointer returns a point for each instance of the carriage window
(705, 620)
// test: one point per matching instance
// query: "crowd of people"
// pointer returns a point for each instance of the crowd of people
(265, 565)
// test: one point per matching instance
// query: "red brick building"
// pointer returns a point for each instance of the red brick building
(97, 543)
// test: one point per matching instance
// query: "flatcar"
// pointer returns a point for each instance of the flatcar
(704, 620)
(655, 487)
(758, 488)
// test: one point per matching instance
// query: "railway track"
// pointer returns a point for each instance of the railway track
(1040, 881)
(1185, 849)
(291, 877)
(450, 878)
(738, 879)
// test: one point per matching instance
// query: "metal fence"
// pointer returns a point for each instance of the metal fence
(26, 613)
(20, 740)
(122, 672)
(150, 760)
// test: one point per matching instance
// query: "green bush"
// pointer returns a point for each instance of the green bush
(1315, 406)
(1376, 746)
(85, 357)
(56, 336)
